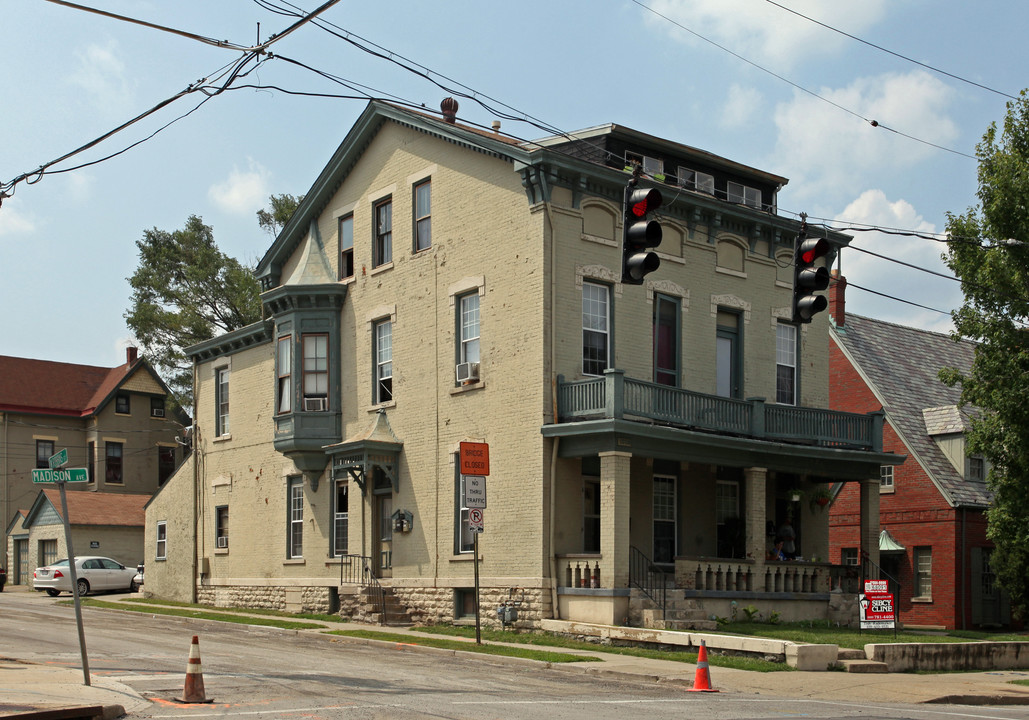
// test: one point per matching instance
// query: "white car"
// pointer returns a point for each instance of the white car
(94, 574)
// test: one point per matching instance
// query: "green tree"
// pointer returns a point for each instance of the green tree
(185, 291)
(280, 210)
(989, 253)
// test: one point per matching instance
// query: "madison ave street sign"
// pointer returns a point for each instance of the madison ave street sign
(54, 476)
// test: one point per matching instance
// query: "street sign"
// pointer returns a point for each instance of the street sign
(474, 492)
(474, 458)
(54, 476)
(475, 523)
(59, 460)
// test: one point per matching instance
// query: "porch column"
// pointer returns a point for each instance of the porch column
(870, 522)
(756, 503)
(614, 519)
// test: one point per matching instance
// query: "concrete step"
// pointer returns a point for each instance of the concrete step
(850, 654)
(864, 666)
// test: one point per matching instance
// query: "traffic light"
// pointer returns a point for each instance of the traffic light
(639, 234)
(808, 279)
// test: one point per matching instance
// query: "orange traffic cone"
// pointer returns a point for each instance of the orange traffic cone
(193, 691)
(702, 680)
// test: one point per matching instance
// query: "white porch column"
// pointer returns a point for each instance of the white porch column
(870, 522)
(614, 519)
(756, 480)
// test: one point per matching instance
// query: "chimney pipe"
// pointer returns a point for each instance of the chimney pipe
(837, 298)
(131, 354)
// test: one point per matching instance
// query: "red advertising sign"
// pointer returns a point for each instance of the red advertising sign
(876, 610)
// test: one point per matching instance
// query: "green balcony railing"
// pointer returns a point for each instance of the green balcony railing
(615, 396)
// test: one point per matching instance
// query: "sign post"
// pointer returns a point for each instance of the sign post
(474, 466)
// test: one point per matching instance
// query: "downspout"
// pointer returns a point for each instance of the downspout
(964, 579)
(553, 397)
(196, 488)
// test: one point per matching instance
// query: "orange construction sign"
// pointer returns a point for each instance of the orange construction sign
(474, 458)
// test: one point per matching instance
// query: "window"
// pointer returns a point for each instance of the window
(382, 247)
(664, 519)
(886, 477)
(165, 464)
(284, 365)
(976, 469)
(48, 551)
(923, 569)
(346, 247)
(44, 449)
(295, 540)
(591, 516)
(727, 518)
(699, 181)
(316, 372)
(739, 193)
(465, 539)
(651, 165)
(468, 328)
(595, 329)
(786, 364)
(121, 404)
(727, 355)
(221, 401)
(848, 556)
(383, 362)
(162, 540)
(423, 216)
(221, 527)
(341, 520)
(157, 407)
(666, 340)
(113, 473)
(91, 461)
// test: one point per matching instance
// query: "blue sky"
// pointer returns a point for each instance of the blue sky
(67, 242)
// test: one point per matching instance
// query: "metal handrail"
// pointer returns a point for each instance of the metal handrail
(649, 579)
(357, 570)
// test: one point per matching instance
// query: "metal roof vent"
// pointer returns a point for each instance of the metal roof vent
(449, 108)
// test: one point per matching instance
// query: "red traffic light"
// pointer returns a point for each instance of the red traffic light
(811, 249)
(644, 201)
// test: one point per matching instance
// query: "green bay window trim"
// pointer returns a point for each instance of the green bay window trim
(284, 371)
(382, 240)
(596, 328)
(44, 449)
(346, 247)
(666, 340)
(786, 364)
(382, 362)
(295, 521)
(316, 372)
(221, 401)
(423, 215)
(113, 467)
(162, 540)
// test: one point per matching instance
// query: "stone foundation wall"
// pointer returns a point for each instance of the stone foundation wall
(431, 606)
(285, 599)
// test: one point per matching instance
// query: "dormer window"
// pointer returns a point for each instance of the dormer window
(695, 180)
(976, 469)
(743, 195)
(651, 165)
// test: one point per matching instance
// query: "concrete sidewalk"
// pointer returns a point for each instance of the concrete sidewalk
(26, 687)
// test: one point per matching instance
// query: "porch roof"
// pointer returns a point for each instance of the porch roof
(590, 437)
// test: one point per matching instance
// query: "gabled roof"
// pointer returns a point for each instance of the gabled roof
(55, 388)
(92, 508)
(901, 366)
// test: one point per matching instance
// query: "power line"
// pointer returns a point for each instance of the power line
(897, 299)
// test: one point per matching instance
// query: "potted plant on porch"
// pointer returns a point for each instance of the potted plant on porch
(821, 496)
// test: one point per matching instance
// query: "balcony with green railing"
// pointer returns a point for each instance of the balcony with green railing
(616, 396)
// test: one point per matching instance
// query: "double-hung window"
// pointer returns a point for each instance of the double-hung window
(468, 328)
(295, 538)
(923, 568)
(44, 449)
(284, 363)
(113, 472)
(121, 404)
(316, 372)
(423, 216)
(886, 478)
(221, 527)
(162, 540)
(382, 248)
(346, 247)
(786, 364)
(383, 362)
(727, 355)
(596, 324)
(666, 340)
(221, 401)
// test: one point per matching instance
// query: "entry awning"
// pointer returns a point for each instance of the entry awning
(888, 544)
(378, 447)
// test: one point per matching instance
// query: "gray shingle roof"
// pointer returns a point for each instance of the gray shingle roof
(902, 364)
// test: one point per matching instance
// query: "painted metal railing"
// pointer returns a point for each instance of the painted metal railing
(615, 396)
(357, 570)
(651, 580)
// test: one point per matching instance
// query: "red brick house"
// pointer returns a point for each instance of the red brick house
(932, 543)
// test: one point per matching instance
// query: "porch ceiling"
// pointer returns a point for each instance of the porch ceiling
(589, 437)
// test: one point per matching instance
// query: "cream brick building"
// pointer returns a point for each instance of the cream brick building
(443, 284)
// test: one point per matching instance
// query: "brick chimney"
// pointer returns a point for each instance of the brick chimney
(131, 354)
(837, 298)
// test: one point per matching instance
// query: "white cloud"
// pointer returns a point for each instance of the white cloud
(741, 106)
(101, 73)
(764, 33)
(12, 222)
(243, 191)
(872, 207)
(829, 150)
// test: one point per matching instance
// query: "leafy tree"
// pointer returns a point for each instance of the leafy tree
(185, 291)
(280, 210)
(989, 252)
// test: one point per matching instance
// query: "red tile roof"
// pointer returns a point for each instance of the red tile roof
(93, 508)
(55, 388)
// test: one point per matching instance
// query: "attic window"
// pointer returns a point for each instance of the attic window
(743, 194)
(694, 180)
(976, 469)
(651, 165)
(121, 404)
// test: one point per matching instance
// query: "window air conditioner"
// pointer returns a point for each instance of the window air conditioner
(223, 541)
(316, 404)
(467, 372)
(158, 412)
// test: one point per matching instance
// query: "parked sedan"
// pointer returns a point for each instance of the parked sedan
(94, 574)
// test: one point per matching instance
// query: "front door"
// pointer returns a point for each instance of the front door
(383, 553)
(664, 519)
